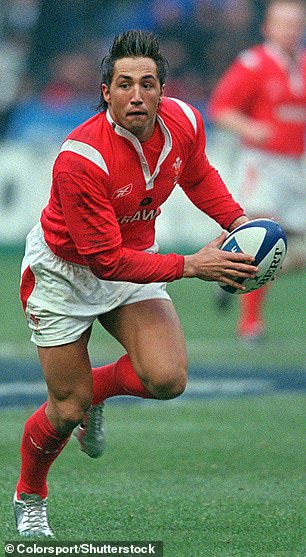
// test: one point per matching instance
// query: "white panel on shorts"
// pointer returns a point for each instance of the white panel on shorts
(86, 151)
(188, 111)
(67, 297)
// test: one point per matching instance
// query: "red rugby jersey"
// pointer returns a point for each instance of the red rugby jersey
(107, 191)
(266, 86)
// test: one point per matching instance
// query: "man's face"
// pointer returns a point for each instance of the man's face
(284, 25)
(134, 95)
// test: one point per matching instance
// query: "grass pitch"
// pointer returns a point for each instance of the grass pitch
(216, 478)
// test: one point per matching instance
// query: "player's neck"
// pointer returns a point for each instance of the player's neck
(146, 134)
(285, 55)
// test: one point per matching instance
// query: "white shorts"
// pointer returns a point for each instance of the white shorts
(273, 186)
(61, 299)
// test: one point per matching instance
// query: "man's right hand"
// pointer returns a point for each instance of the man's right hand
(213, 264)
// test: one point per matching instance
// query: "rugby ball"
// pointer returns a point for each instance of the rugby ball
(266, 241)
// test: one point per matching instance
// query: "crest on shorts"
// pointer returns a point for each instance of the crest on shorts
(34, 323)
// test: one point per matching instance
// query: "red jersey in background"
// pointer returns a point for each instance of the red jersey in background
(265, 85)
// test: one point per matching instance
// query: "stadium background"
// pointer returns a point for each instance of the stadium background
(50, 53)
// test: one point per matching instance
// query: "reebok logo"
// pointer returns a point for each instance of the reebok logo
(122, 192)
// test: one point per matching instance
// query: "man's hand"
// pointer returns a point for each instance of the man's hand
(238, 222)
(212, 264)
(247, 128)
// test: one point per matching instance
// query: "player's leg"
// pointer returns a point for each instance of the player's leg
(256, 195)
(272, 187)
(156, 360)
(250, 324)
(251, 311)
(155, 365)
(67, 370)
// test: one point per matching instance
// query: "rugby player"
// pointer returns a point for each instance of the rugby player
(262, 98)
(93, 255)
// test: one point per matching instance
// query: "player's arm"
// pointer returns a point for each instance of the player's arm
(248, 129)
(210, 263)
(230, 105)
(93, 226)
(238, 222)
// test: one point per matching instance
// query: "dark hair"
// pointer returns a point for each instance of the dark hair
(132, 44)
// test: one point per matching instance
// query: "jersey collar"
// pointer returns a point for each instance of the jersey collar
(279, 55)
(291, 66)
(149, 178)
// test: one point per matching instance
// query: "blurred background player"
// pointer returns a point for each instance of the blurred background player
(262, 98)
(94, 256)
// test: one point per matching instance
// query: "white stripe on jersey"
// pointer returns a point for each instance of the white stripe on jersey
(188, 111)
(86, 151)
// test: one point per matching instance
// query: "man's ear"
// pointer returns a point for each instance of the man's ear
(105, 92)
(162, 92)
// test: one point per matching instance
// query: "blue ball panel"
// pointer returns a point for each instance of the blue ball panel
(273, 233)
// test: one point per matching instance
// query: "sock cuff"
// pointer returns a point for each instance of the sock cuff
(48, 427)
(40, 422)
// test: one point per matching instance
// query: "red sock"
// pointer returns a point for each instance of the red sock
(251, 310)
(40, 446)
(116, 379)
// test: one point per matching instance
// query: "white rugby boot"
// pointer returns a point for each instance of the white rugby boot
(90, 433)
(31, 515)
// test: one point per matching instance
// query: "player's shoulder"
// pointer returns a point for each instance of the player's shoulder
(82, 147)
(178, 112)
(91, 128)
(252, 58)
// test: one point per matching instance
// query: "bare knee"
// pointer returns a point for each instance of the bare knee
(169, 383)
(67, 370)
(65, 413)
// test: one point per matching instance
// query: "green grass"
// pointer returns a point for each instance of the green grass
(209, 479)
(220, 478)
